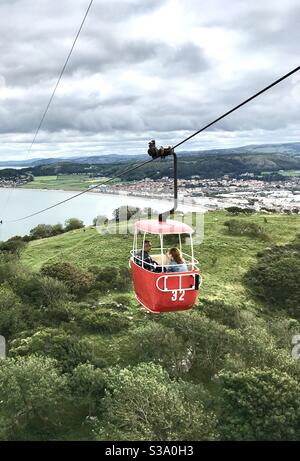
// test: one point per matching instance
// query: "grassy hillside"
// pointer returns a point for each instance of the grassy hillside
(85, 362)
(62, 182)
(223, 258)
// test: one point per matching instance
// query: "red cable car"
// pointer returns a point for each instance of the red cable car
(156, 288)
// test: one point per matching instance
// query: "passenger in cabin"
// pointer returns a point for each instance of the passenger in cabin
(144, 256)
(176, 261)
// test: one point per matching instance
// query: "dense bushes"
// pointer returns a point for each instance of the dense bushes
(275, 278)
(111, 278)
(87, 383)
(124, 213)
(40, 291)
(72, 224)
(45, 230)
(144, 403)
(11, 318)
(239, 227)
(235, 210)
(69, 350)
(77, 280)
(159, 344)
(84, 362)
(32, 391)
(13, 245)
(259, 405)
(103, 320)
(17, 243)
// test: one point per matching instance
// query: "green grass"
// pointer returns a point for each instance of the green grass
(223, 258)
(63, 182)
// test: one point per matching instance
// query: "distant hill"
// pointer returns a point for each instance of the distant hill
(204, 166)
(292, 149)
(93, 159)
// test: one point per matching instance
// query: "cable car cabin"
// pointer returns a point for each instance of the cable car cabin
(156, 288)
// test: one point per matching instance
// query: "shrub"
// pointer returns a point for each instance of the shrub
(221, 312)
(112, 278)
(41, 231)
(259, 405)
(11, 319)
(238, 227)
(72, 224)
(32, 393)
(235, 210)
(103, 320)
(209, 341)
(40, 290)
(63, 311)
(9, 269)
(100, 220)
(68, 350)
(159, 344)
(77, 280)
(57, 229)
(14, 246)
(87, 384)
(143, 403)
(124, 301)
(124, 213)
(275, 278)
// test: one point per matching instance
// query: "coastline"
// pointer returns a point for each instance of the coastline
(122, 193)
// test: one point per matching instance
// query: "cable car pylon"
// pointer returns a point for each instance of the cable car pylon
(163, 152)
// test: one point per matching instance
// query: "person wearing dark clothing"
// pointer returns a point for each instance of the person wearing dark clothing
(143, 258)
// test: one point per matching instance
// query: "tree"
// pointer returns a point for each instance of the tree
(124, 213)
(57, 229)
(72, 224)
(32, 391)
(259, 347)
(259, 405)
(41, 231)
(143, 403)
(100, 220)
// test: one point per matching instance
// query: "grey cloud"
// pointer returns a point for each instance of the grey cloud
(119, 10)
(176, 87)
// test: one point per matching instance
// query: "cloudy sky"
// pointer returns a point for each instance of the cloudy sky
(146, 69)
